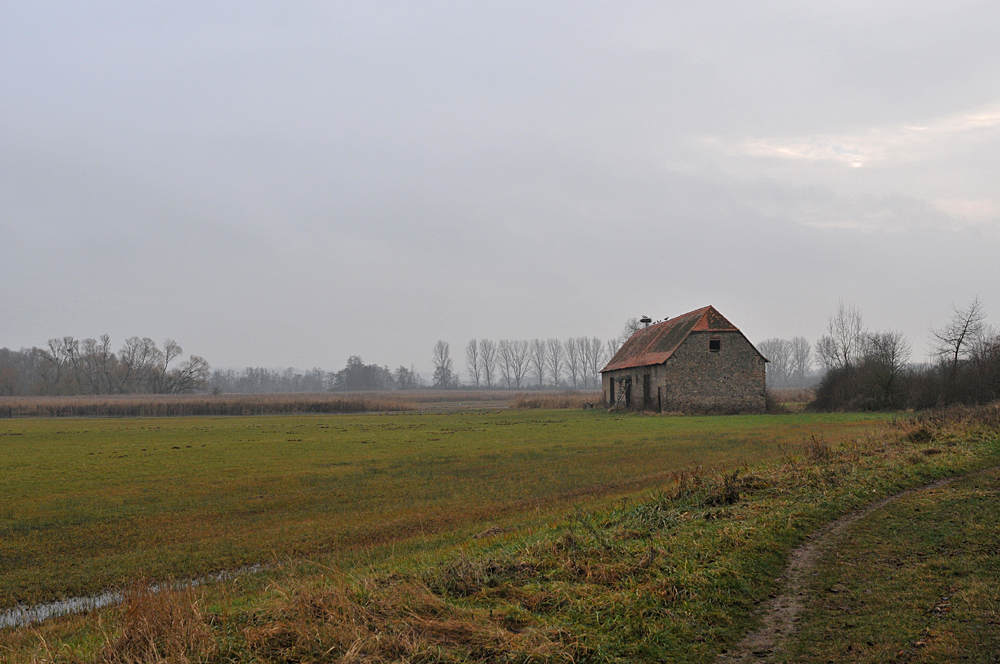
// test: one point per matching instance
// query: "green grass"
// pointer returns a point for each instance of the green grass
(616, 572)
(90, 503)
(915, 581)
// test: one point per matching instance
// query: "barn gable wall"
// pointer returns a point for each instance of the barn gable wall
(695, 378)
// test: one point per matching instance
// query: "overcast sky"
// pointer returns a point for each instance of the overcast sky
(289, 184)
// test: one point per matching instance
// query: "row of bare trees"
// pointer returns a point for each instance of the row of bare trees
(521, 363)
(790, 362)
(69, 366)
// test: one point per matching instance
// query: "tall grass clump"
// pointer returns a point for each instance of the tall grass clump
(160, 627)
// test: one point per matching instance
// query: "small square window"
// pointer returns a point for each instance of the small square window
(714, 345)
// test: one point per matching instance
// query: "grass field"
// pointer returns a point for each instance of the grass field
(916, 582)
(607, 551)
(88, 504)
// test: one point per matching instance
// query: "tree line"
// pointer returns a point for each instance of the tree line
(858, 368)
(871, 370)
(68, 366)
(516, 364)
(790, 362)
(356, 376)
(573, 363)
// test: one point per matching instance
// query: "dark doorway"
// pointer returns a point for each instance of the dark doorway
(659, 399)
(647, 392)
(628, 392)
(611, 392)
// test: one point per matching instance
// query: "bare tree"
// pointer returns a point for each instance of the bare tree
(99, 364)
(583, 347)
(954, 340)
(538, 356)
(596, 359)
(801, 360)
(488, 360)
(886, 354)
(160, 377)
(505, 357)
(779, 352)
(632, 325)
(612, 346)
(443, 374)
(520, 360)
(556, 357)
(573, 360)
(826, 352)
(61, 366)
(472, 362)
(984, 345)
(138, 358)
(171, 351)
(190, 376)
(843, 343)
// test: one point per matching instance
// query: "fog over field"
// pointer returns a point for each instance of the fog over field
(290, 184)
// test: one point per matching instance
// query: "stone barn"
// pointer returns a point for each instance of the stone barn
(695, 362)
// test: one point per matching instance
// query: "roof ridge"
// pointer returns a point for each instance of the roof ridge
(655, 344)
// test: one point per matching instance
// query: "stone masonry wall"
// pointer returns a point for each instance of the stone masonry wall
(696, 378)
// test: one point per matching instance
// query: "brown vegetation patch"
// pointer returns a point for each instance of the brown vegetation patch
(554, 401)
(793, 394)
(173, 405)
(394, 620)
(162, 405)
(160, 627)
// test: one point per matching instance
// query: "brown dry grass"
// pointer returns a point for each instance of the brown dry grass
(150, 628)
(161, 405)
(452, 396)
(160, 627)
(369, 620)
(553, 401)
(178, 405)
(792, 394)
(393, 620)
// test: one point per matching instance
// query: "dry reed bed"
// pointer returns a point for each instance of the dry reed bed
(173, 405)
(552, 401)
(134, 405)
(452, 396)
(792, 394)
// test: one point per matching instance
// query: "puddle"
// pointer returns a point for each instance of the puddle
(21, 616)
(26, 615)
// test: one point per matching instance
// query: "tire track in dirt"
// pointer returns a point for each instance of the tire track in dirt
(781, 612)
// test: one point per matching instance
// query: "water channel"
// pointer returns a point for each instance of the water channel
(21, 616)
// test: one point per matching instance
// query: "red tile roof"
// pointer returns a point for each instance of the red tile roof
(656, 343)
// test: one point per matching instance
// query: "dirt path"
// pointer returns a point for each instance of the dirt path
(781, 612)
